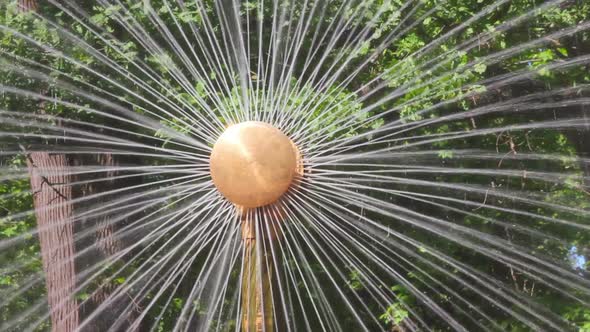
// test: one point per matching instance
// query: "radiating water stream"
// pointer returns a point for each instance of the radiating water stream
(445, 179)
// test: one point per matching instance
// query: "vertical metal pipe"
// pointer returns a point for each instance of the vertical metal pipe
(257, 310)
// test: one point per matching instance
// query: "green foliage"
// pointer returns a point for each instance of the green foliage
(18, 263)
(397, 312)
(429, 82)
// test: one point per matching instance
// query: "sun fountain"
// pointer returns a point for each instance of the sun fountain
(450, 173)
(252, 165)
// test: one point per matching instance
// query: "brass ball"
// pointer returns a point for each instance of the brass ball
(253, 164)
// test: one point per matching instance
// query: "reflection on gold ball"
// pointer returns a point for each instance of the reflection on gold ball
(253, 164)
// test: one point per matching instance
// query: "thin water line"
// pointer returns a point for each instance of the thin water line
(272, 91)
(260, 58)
(359, 200)
(83, 150)
(213, 41)
(23, 173)
(342, 85)
(311, 55)
(268, 64)
(32, 327)
(228, 37)
(414, 267)
(292, 50)
(150, 124)
(512, 195)
(239, 313)
(427, 155)
(123, 143)
(106, 138)
(516, 227)
(7, 242)
(98, 168)
(13, 240)
(231, 267)
(155, 49)
(268, 220)
(289, 271)
(501, 80)
(259, 268)
(320, 87)
(419, 246)
(142, 66)
(326, 236)
(112, 221)
(317, 224)
(216, 240)
(499, 54)
(572, 180)
(178, 271)
(43, 76)
(128, 286)
(150, 285)
(332, 42)
(366, 171)
(326, 307)
(348, 192)
(108, 62)
(474, 112)
(173, 42)
(62, 84)
(439, 40)
(555, 124)
(298, 269)
(318, 259)
(435, 266)
(297, 47)
(223, 283)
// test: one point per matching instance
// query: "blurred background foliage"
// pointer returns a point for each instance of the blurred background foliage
(446, 80)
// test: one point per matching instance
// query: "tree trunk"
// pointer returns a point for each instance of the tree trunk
(28, 5)
(52, 197)
(51, 182)
(104, 243)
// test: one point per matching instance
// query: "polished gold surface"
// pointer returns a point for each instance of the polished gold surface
(253, 164)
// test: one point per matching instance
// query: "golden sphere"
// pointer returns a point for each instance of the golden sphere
(253, 164)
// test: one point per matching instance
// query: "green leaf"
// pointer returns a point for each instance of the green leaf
(10, 231)
(480, 68)
(6, 280)
(445, 154)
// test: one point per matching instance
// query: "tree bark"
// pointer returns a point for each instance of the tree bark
(104, 242)
(52, 196)
(28, 5)
(51, 179)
